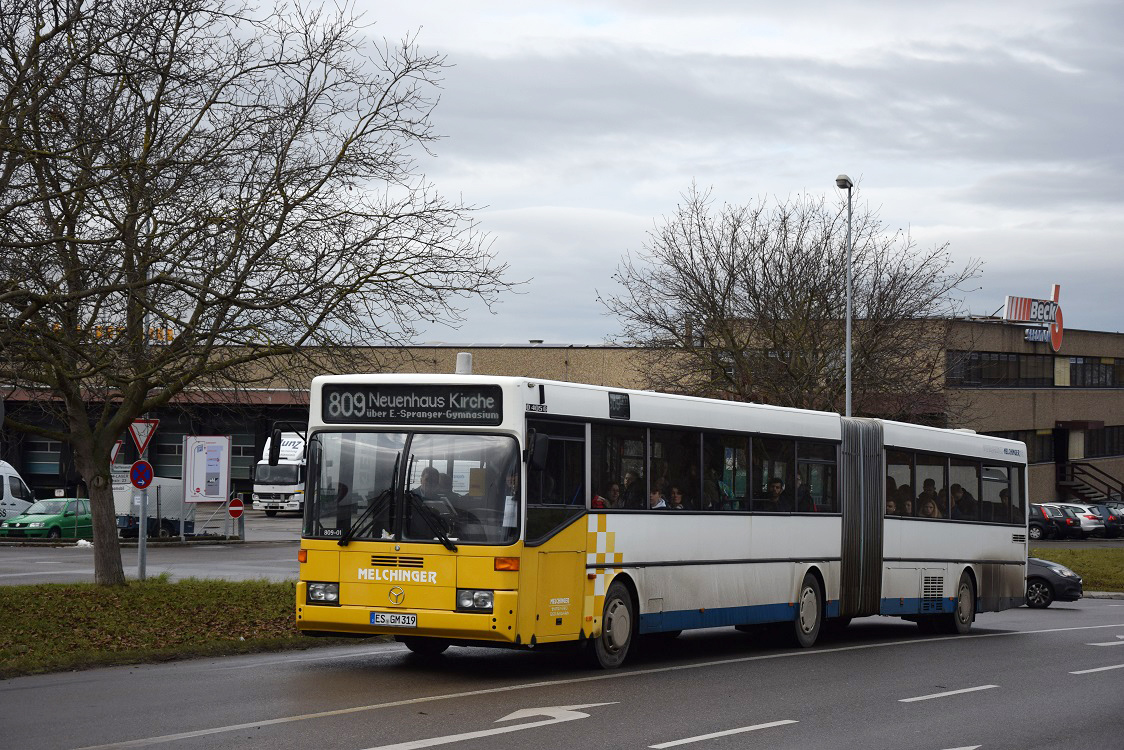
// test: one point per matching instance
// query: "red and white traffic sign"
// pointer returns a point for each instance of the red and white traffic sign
(113, 454)
(142, 431)
(140, 474)
(235, 508)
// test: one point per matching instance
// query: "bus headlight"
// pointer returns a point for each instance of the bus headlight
(474, 600)
(323, 593)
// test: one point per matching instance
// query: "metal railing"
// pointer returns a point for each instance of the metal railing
(1077, 474)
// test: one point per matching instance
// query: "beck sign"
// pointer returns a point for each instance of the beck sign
(1044, 312)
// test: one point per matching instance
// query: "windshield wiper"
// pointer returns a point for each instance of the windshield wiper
(434, 523)
(374, 508)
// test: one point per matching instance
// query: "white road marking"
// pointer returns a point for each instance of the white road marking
(946, 694)
(47, 573)
(803, 653)
(1119, 642)
(967, 747)
(1098, 669)
(724, 733)
(557, 715)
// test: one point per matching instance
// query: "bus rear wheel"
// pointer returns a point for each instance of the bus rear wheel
(809, 612)
(959, 621)
(609, 649)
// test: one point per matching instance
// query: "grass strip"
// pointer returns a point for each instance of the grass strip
(1100, 569)
(55, 627)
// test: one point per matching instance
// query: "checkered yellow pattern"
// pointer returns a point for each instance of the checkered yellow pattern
(600, 549)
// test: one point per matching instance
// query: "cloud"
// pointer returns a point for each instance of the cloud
(991, 127)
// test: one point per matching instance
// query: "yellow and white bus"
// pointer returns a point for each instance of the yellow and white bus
(519, 512)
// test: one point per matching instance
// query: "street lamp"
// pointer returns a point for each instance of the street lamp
(843, 181)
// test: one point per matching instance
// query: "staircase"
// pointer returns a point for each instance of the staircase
(1086, 483)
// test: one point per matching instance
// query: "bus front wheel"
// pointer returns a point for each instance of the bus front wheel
(617, 624)
(809, 612)
(424, 646)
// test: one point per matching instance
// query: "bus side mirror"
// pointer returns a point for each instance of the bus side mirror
(275, 447)
(540, 447)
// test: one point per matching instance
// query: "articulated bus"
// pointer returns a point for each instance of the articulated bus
(518, 512)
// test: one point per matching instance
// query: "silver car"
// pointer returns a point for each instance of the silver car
(1090, 517)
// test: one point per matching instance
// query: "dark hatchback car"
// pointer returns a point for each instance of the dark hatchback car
(1113, 522)
(1045, 522)
(1047, 582)
(1069, 525)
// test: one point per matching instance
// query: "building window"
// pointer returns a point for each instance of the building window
(1107, 441)
(1007, 370)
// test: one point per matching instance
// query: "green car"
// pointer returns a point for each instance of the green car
(56, 518)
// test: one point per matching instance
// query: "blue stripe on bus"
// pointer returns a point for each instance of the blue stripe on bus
(687, 619)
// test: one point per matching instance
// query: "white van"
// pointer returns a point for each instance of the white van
(15, 497)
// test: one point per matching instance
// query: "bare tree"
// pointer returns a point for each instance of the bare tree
(245, 180)
(748, 303)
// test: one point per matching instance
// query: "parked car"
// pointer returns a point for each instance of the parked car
(1046, 522)
(1069, 525)
(1113, 521)
(1091, 522)
(1047, 582)
(55, 518)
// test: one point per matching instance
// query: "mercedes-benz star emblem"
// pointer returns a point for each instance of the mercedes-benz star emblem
(397, 595)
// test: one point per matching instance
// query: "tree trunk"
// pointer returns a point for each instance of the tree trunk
(108, 570)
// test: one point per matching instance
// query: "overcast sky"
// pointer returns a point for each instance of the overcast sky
(995, 127)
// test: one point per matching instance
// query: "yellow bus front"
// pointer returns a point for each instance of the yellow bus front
(413, 519)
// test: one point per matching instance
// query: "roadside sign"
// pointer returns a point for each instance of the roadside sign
(140, 474)
(235, 508)
(142, 430)
(115, 451)
(206, 468)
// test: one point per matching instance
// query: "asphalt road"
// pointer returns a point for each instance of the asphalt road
(270, 553)
(1022, 679)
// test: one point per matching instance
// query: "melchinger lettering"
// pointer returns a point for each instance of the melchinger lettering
(396, 576)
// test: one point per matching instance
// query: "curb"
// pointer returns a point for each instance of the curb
(1104, 595)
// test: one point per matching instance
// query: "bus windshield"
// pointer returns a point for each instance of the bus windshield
(279, 474)
(419, 487)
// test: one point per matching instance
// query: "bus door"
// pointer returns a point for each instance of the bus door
(556, 535)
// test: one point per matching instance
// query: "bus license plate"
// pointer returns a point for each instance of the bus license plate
(394, 619)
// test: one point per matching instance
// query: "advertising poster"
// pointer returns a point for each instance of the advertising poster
(206, 468)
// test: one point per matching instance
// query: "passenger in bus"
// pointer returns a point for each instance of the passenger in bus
(429, 484)
(963, 504)
(609, 498)
(1005, 502)
(928, 490)
(904, 496)
(929, 509)
(778, 499)
(716, 496)
(633, 491)
(656, 500)
(891, 489)
(804, 502)
(891, 507)
(676, 502)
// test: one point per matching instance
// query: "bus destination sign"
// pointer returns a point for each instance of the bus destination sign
(412, 404)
